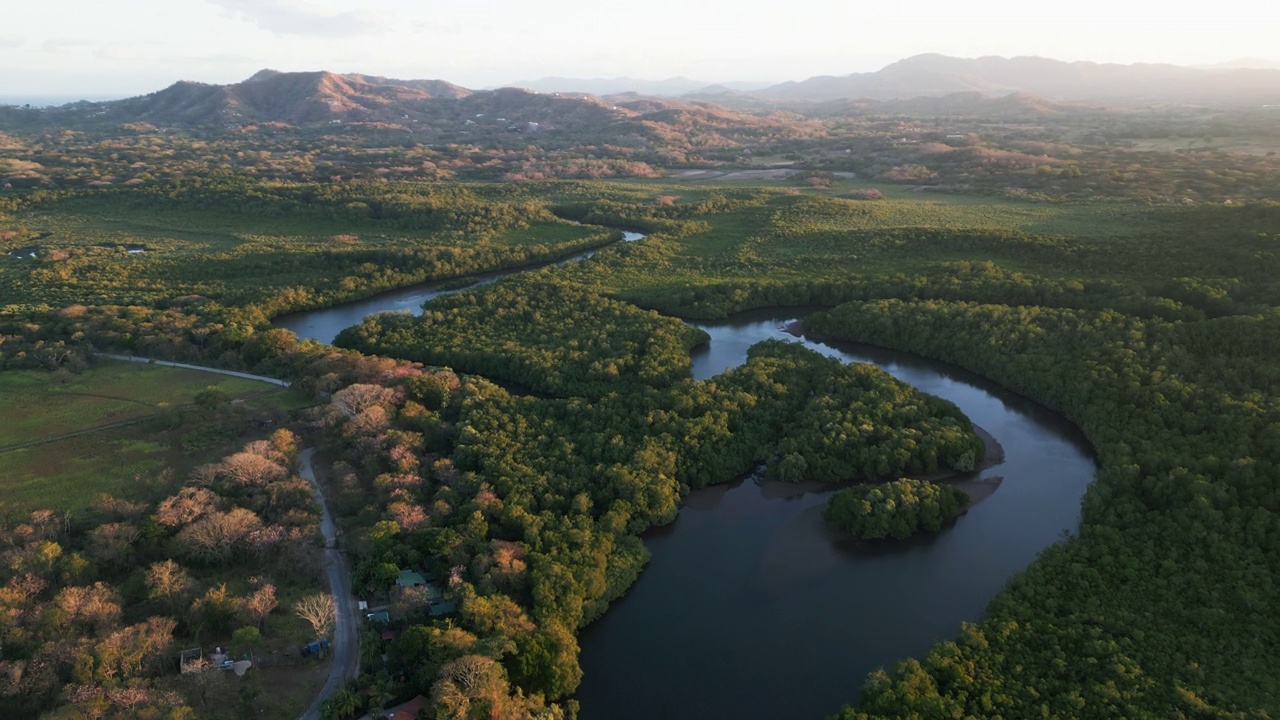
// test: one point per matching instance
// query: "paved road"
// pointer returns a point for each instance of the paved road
(345, 652)
(345, 658)
(220, 371)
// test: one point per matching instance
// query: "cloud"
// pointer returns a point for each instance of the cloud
(297, 17)
(54, 45)
(142, 50)
(10, 41)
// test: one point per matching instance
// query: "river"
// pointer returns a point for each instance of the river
(324, 325)
(750, 609)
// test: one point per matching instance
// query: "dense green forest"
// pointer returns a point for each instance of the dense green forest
(896, 509)
(1151, 327)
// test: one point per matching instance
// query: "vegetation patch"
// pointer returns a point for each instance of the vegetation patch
(897, 509)
(114, 427)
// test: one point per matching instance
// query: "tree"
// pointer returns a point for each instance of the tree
(216, 537)
(167, 580)
(187, 506)
(247, 469)
(112, 544)
(212, 397)
(260, 604)
(344, 704)
(128, 652)
(319, 610)
(246, 637)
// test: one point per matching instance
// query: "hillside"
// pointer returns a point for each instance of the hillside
(1013, 106)
(430, 110)
(612, 86)
(932, 75)
(293, 98)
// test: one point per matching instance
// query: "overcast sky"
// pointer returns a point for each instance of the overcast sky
(115, 48)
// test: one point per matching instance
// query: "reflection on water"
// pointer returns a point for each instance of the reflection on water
(750, 608)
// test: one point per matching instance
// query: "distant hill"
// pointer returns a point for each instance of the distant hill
(1244, 64)
(429, 110)
(1014, 106)
(671, 87)
(294, 98)
(934, 75)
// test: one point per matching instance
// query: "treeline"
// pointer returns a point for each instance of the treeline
(1121, 621)
(548, 336)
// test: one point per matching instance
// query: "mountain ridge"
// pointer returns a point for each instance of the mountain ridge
(935, 74)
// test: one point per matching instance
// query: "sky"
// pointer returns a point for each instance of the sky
(117, 48)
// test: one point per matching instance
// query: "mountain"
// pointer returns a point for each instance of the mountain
(293, 98)
(1014, 106)
(429, 110)
(933, 75)
(1243, 64)
(670, 87)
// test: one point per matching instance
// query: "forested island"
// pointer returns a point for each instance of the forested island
(897, 509)
(1148, 320)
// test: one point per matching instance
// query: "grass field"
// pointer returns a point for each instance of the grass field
(40, 407)
(161, 429)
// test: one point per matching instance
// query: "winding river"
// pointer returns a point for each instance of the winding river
(324, 325)
(750, 608)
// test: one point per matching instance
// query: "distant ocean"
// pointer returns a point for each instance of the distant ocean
(50, 100)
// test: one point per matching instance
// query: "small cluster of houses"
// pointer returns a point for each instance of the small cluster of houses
(412, 587)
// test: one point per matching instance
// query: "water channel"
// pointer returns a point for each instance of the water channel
(750, 608)
(324, 325)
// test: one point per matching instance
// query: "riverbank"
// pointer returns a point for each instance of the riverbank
(323, 324)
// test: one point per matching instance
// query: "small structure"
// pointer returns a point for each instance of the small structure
(409, 710)
(442, 608)
(315, 647)
(410, 579)
(191, 661)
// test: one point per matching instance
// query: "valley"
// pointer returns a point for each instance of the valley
(573, 378)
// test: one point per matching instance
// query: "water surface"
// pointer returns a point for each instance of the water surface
(751, 609)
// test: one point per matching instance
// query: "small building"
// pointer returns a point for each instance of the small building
(407, 711)
(409, 579)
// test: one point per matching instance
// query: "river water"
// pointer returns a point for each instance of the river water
(324, 325)
(750, 609)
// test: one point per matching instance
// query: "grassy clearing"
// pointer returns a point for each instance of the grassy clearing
(41, 406)
(67, 473)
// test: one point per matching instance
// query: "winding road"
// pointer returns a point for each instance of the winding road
(346, 643)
